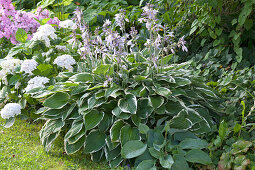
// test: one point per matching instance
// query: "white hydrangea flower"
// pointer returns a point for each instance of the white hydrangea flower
(43, 33)
(65, 61)
(61, 47)
(10, 110)
(66, 24)
(36, 82)
(9, 66)
(28, 66)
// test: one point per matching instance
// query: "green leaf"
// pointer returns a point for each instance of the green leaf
(223, 130)
(128, 133)
(44, 21)
(190, 143)
(102, 69)
(70, 110)
(50, 131)
(75, 129)
(97, 156)
(144, 108)
(94, 141)
(116, 162)
(57, 100)
(145, 156)
(133, 149)
(136, 120)
(226, 80)
(111, 145)
(143, 128)
(115, 130)
(44, 70)
(72, 148)
(166, 161)
(77, 137)
(45, 3)
(162, 91)
(155, 153)
(246, 10)
(161, 110)
(248, 24)
(49, 140)
(180, 163)
(140, 78)
(129, 104)
(155, 137)
(212, 34)
(116, 111)
(234, 21)
(208, 92)
(92, 119)
(112, 154)
(146, 164)
(180, 81)
(82, 77)
(193, 29)
(15, 50)
(237, 128)
(203, 42)
(218, 31)
(21, 35)
(96, 87)
(156, 101)
(64, 3)
(198, 156)
(168, 79)
(93, 102)
(239, 52)
(105, 123)
(111, 90)
(173, 107)
(180, 121)
(216, 42)
(14, 79)
(79, 89)
(54, 112)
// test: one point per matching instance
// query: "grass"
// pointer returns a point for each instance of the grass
(20, 148)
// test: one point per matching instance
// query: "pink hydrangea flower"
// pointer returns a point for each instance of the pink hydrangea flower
(11, 20)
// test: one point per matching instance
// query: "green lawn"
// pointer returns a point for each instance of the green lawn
(20, 148)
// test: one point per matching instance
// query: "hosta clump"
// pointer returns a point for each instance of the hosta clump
(149, 120)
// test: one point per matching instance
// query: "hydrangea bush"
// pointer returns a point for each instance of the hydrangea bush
(112, 95)
(11, 20)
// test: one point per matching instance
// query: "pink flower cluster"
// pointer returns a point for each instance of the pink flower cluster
(11, 20)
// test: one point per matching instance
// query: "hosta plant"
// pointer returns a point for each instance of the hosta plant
(149, 120)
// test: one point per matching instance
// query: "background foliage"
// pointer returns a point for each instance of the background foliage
(220, 40)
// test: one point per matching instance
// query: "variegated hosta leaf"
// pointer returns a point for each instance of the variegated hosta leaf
(50, 132)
